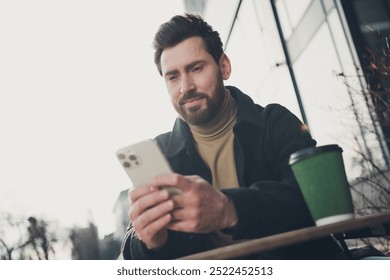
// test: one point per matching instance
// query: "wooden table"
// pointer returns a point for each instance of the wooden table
(372, 225)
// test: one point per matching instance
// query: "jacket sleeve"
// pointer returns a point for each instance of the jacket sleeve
(273, 206)
(134, 249)
(179, 244)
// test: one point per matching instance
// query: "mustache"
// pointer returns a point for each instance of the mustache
(191, 95)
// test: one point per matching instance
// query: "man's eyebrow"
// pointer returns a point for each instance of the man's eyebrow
(195, 63)
(172, 72)
(187, 67)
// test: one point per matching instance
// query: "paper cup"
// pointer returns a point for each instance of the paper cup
(322, 179)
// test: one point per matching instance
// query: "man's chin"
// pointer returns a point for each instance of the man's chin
(197, 118)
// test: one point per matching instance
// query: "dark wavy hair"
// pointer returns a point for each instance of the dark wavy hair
(180, 28)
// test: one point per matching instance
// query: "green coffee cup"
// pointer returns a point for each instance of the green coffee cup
(322, 179)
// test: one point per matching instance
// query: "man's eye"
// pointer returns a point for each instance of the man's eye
(171, 78)
(197, 69)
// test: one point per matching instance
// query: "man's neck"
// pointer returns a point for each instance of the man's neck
(225, 116)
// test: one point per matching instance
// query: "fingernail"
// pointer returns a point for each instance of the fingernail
(169, 204)
(164, 194)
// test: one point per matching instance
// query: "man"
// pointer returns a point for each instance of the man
(230, 158)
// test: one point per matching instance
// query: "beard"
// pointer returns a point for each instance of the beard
(196, 115)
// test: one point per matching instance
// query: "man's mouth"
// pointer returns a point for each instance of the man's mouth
(192, 100)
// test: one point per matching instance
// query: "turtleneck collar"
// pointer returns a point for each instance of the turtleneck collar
(218, 126)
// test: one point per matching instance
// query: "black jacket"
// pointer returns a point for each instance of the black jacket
(268, 200)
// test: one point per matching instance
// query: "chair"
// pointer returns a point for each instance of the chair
(365, 252)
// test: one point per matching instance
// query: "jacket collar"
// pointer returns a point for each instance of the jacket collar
(181, 137)
(246, 108)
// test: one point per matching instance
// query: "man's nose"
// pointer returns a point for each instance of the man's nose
(186, 84)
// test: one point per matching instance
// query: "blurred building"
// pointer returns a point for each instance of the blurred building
(110, 245)
(85, 243)
(121, 210)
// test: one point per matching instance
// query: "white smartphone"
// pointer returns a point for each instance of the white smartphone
(143, 161)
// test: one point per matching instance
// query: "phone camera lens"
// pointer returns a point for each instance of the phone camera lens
(126, 164)
(121, 156)
(133, 157)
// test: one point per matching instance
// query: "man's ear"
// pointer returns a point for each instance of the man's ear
(225, 66)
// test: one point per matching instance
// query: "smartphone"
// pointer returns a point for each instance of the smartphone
(143, 161)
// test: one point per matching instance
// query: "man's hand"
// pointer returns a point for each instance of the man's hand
(150, 215)
(200, 207)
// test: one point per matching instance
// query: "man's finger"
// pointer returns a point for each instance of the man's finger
(147, 201)
(139, 191)
(171, 180)
(184, 226)
(156, 226)
(153, 214)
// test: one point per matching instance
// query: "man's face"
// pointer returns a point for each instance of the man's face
(194, 80)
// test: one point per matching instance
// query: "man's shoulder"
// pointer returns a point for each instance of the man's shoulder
(246, 103)
(163, 140)
(275, 108)
(176, 140)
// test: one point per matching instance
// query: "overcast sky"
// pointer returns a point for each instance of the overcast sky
(77, 82)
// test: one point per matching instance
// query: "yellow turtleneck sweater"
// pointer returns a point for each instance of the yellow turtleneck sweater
(214, 142)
